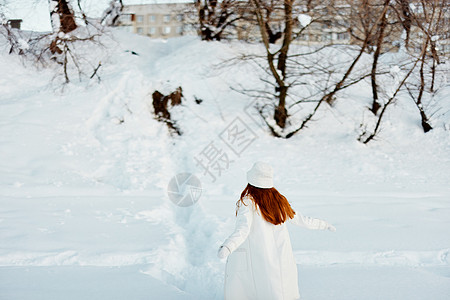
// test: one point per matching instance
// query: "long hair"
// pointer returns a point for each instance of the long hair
(274, 207)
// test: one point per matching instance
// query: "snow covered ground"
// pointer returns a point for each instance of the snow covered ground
(84, 209)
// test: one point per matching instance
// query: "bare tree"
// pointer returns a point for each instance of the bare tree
(427, 23)
(62, 45)
(112, 13)
(434, 22)
(345, 81)
(380, 34)
(365, 136)
(277, 60)
(430, 22)
(66, 34)
(370, 23)
(375, 27)
(292, 70)
(216, 17)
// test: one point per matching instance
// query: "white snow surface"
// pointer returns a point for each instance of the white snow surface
(84, 210)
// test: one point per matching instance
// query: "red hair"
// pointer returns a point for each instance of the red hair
(274, 207)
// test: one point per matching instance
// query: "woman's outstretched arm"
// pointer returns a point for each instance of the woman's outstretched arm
(311, 223)
(244, 221)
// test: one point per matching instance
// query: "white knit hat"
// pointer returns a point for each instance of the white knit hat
(261, 175)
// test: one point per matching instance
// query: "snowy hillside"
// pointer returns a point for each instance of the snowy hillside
(84, 208)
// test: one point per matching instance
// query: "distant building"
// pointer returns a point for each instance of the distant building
(329, 30)
(156, 20)
(176, 19)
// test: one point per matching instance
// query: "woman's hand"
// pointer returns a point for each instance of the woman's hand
(223, 252)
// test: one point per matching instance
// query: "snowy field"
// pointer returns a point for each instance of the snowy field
(84, 209)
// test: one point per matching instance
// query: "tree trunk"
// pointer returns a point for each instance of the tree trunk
(424, 119)
(435, 57)
(286, 38)
(62, 16)
(406, 19)
(373, 75)
(280, 114)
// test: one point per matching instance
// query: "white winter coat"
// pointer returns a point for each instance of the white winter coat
(261, 265)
